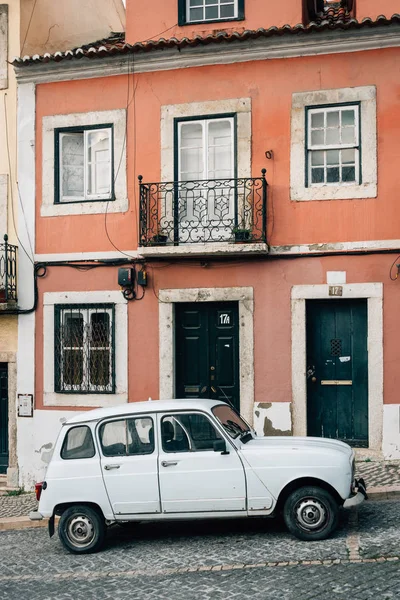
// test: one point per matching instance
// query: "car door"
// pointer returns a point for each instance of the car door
(129, 465)
(193, 477)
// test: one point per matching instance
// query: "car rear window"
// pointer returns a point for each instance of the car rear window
(78, 443)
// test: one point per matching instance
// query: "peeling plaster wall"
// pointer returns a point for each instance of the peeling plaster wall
(272, 418)
(391, 431)
(36, 438)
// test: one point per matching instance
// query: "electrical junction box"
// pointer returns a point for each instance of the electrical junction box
(126, 277)
(142, 277)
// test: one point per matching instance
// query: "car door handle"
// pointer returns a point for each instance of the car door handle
(169, 463)
(109, 467)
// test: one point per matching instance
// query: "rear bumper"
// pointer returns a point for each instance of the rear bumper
(359, 497)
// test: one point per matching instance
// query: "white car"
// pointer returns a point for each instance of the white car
(189, 459)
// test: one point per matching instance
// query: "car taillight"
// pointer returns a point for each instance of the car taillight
(38, 490)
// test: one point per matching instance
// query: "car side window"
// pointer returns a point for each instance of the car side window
(127, 437)
(78, 443)
(188, 433)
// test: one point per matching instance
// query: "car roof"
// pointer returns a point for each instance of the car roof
(150, 406)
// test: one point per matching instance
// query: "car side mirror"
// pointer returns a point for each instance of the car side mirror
(220, 446)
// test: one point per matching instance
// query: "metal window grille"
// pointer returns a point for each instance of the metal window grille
(336, 347)
(84, 348)
(333, 145)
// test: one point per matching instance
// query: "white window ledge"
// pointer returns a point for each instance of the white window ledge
(51, 209)
(209, 249)
(368, 188)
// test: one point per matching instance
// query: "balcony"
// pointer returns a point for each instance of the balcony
(8, 273)
(196, 218)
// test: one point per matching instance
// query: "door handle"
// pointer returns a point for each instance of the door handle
(109, 467)
(169, 463)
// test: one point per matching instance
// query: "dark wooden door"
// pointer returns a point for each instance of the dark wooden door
(3, 418)
(337, 370)
(207, 351)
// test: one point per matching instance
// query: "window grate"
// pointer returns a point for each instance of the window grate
(84, 348)
(336, 347)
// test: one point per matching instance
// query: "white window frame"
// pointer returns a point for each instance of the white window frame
(116, 118)
(203, 6)
(86, 166)
(120, 396)
(367, 188)
(205, 133)
(86, 313)
(339, 146)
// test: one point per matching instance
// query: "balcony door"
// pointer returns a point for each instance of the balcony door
(206, 165)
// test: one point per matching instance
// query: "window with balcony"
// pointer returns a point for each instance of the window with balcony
(333, 145)
(201, 11)
(84, 348)
(84, 164)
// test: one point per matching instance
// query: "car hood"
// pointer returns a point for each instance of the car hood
(299, 443)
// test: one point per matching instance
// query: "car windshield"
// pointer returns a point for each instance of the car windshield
(231, 421)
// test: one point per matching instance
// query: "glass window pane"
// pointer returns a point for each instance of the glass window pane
(332, 136)
(317, 119)
(207, 2)
(317, 138)
(317, 175)
(211, 12)
(140, 436)
(332, 157)
(348, 156)
(347, 117)
(348, 174)
(99, 368)
(332, 175)
(317, 157)
(332, 119)
(72, 165)
(72, 368)
(100, 329)
(113, 438)
(173, 436)
(73, 330)
(227, 11)
(99, 162)
(220, 150)
(348, 135)
(78, 443)
(196, 2)
(196, 14)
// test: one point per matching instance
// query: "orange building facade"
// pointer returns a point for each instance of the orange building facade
(212, 207)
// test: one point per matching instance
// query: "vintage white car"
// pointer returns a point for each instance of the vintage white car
(188, 459)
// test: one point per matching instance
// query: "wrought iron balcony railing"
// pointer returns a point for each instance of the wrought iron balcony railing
(8, 271)
(206, 211)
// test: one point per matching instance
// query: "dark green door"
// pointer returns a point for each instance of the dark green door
(207, 351)
(337, 370)
(3, 418)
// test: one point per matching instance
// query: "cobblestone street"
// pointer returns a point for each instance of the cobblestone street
(231, 559)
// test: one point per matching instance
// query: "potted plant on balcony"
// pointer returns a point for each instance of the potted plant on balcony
(242, 234)
(159, 239)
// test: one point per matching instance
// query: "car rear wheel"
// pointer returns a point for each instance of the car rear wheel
(81, 529)
(311, 513)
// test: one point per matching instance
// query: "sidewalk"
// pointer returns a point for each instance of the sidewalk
(382, 479)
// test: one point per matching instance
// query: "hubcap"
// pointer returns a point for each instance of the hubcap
(80, 530)
(311, 514)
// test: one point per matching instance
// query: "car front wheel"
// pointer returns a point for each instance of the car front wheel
(311, 513)
(81, 529)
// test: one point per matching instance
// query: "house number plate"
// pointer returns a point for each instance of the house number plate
(335, 290)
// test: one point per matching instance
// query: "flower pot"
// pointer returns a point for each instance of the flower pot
(242, 235)
(159, 240)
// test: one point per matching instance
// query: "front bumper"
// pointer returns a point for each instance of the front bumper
(359, 496)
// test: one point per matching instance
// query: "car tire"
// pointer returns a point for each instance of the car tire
(311, 513)
(81, 529)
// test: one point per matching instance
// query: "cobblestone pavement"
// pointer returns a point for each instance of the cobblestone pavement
(379, 473)
(17, 506)
(212, 560)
